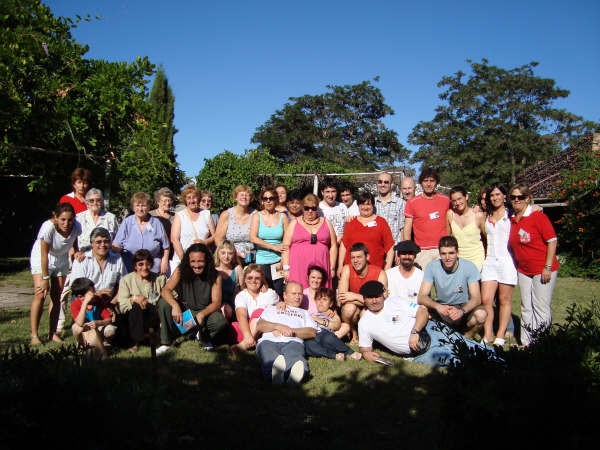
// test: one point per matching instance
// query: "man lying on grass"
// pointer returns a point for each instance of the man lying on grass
(404, 328)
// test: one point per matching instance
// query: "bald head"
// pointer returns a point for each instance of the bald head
(408, 188)
(292, 295)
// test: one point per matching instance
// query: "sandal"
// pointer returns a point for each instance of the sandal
(35, 340)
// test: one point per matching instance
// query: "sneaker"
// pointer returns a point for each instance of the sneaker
(208, 346)
(163, 349)
(499, 342)
(278, 370)
(296, 372)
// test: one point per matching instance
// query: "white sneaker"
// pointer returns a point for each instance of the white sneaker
(208, 346)
(278, 370)
(296, 372)
(163, 349)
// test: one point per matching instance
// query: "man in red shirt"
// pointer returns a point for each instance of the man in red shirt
(353, 276)
(426, 217)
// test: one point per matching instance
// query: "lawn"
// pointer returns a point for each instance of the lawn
(192, 397)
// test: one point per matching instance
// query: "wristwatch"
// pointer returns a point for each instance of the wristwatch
(46, 277)
(286, 267)
(414, 331)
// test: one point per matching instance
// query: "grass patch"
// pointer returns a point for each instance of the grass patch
(15, 272)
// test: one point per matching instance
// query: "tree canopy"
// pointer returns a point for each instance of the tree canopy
(343, 126)
(493, 123)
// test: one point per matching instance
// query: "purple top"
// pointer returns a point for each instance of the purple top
(153, 238)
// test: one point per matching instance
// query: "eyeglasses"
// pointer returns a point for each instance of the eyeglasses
(310, 208)
(94, 200)
(518, 197)
(383, 181)
(268, 199)
(253, 278)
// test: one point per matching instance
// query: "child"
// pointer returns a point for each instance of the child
(92, 317)
(226, 263)
(326, 343)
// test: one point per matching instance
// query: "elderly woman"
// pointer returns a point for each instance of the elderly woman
(94, 216)
(310, 240)
(191, 225)
(139, 293)
(80, 181)
(206, 202)
(533, 242)
(143, 231)
(370, 229)
(234, 224)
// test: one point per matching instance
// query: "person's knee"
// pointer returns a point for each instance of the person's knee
(480, 314)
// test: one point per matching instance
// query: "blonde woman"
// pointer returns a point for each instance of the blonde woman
(230, 271)
(234, 223)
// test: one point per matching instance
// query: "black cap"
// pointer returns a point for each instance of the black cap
(371, 289)
(407, 247)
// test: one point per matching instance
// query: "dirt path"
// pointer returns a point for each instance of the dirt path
(15, 297)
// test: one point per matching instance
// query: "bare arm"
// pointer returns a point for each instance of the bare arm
(215, 301)
(176, 236)
(407, 230)
(344, 294)
(341, 257)
(333, 250)
(167, 294)
(550, 253)
(221, 229)
(424, 297)
(449, 222)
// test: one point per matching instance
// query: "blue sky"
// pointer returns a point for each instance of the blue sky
(232, 64)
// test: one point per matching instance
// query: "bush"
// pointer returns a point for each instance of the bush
(579, 266)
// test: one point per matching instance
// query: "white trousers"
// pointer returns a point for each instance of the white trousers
(536, 299)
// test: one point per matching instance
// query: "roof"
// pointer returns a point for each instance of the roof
(542, 177)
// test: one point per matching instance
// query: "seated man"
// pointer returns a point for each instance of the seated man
(404, 279)
(403, 328)
(353, 276)
(456, 281)
(197, 285)
(280, 349)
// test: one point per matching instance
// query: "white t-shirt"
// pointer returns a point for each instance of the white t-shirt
(336, 215)
(244, 300)
(290, 316)
(390, 327)
(58, 254)
(407, 288)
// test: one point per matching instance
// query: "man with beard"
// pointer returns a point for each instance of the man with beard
(404, 280)
(353, 276)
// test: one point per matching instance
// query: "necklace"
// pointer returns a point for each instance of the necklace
(310, 223)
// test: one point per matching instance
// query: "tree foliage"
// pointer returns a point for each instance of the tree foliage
(494, 123)
(60, 110)
(343, 126)
(579, 227)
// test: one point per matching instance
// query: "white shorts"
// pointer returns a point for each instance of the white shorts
(57, 267)
(501, 270)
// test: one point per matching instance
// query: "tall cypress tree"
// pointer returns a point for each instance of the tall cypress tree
(162, 102)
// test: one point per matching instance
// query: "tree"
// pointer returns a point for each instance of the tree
(162, 102)
(342, 126)
(493, 123)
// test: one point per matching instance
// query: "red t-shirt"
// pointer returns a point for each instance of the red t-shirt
(376, 235)
(528, 240)
(77, 204)
(355, 282)
(93, 312)
(428, 219)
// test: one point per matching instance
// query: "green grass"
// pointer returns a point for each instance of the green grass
(15, 272)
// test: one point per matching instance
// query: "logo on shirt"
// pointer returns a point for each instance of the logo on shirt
(434, 215)
(459, 289)
(524, 236)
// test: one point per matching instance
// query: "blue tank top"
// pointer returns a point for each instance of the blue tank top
(272, 235)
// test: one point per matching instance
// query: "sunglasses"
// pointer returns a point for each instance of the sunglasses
(313, 238)
(383, 182)
(518, 197)
(268, 199)
(310, 208)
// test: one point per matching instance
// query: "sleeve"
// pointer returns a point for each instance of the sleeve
(473, 274)
(240, 300)
(121, 235)
(77, 270)
(124, 294)
(408, 210)
(388, 237)
(47, 232)
(75, 307)
(309, 321)
(364, 337)
(428, 275)
(546, 228)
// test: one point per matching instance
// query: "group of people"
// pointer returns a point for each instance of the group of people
(295, 275)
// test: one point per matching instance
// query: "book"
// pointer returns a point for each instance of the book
(188, 322)
(276, 272)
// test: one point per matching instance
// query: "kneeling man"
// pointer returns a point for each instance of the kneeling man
(456, 281)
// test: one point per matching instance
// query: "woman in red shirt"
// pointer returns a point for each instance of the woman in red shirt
(370, 229)
(533, 242)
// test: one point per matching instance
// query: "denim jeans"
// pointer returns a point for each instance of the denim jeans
(292, 351)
